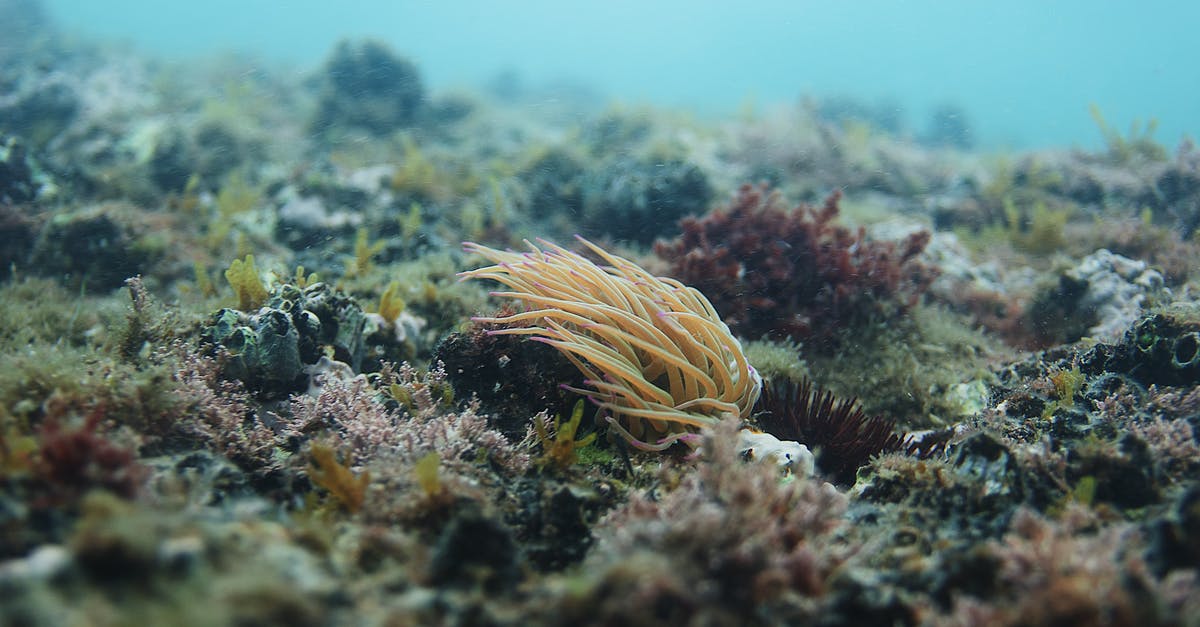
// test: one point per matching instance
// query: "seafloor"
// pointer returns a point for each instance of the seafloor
(240, 383)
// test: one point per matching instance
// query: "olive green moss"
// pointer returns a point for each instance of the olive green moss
(776, 361)
(911, 369)
(57, 347)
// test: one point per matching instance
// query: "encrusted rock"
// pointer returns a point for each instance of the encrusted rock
(271, 348)
(1099, 298)
(368, 87)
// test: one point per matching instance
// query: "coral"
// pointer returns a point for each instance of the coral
(843, 437)
(369, 87)
(220, 415)
(350, 413)
(352, 417)
(777, 272)
(1067, 573)
(653, 351)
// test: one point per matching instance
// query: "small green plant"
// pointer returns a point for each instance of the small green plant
(416, 173)
(410, 223)
(364, 253)
(390, 303)
(247, 285)
(236, 197)
(428, 474)
(1139, 144)
(409, 396)
(561, 450)
(204, 283)
(1066, 383)
(327, 472)
(302, 280)
(1039, 233)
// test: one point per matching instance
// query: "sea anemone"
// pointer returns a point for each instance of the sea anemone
(654, 353)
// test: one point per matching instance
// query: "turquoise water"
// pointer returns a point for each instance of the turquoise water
(1025, 71)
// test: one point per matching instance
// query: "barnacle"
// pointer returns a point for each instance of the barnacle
(654, 353)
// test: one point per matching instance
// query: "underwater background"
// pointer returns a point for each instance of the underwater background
(533, 313)
(1023, 72)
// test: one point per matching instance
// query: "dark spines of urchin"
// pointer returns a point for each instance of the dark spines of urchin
(841, 435)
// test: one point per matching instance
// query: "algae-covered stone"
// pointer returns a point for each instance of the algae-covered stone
(270, 348)
(1161, 348)
(264, 349)
(97, 248)
(369, 87)
(640, 200)
(19, 181)
(324, 317)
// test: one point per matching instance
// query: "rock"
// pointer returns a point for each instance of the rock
(366, 86)
(1099, 298)
(641, 200)
(97, 248)
(1117, 289)
(273, 348)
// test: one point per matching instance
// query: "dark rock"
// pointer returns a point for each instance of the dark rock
(553, 183)
(264, 350)
(553, 521)
(18, 183)
(325, 318)
(642, 200)
(38, 106)
(474, 550)
(1175, 538)
(173, 161)
(368, 87)
(96, 248)
(269, 349)
(949, 127)
(1123, 473)
(513, 378)
(17, 233)
(1161, 348)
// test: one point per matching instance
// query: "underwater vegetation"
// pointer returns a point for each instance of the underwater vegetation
(250, 376)
(794, 273)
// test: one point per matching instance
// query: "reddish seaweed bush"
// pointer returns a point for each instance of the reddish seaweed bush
(796, 273)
